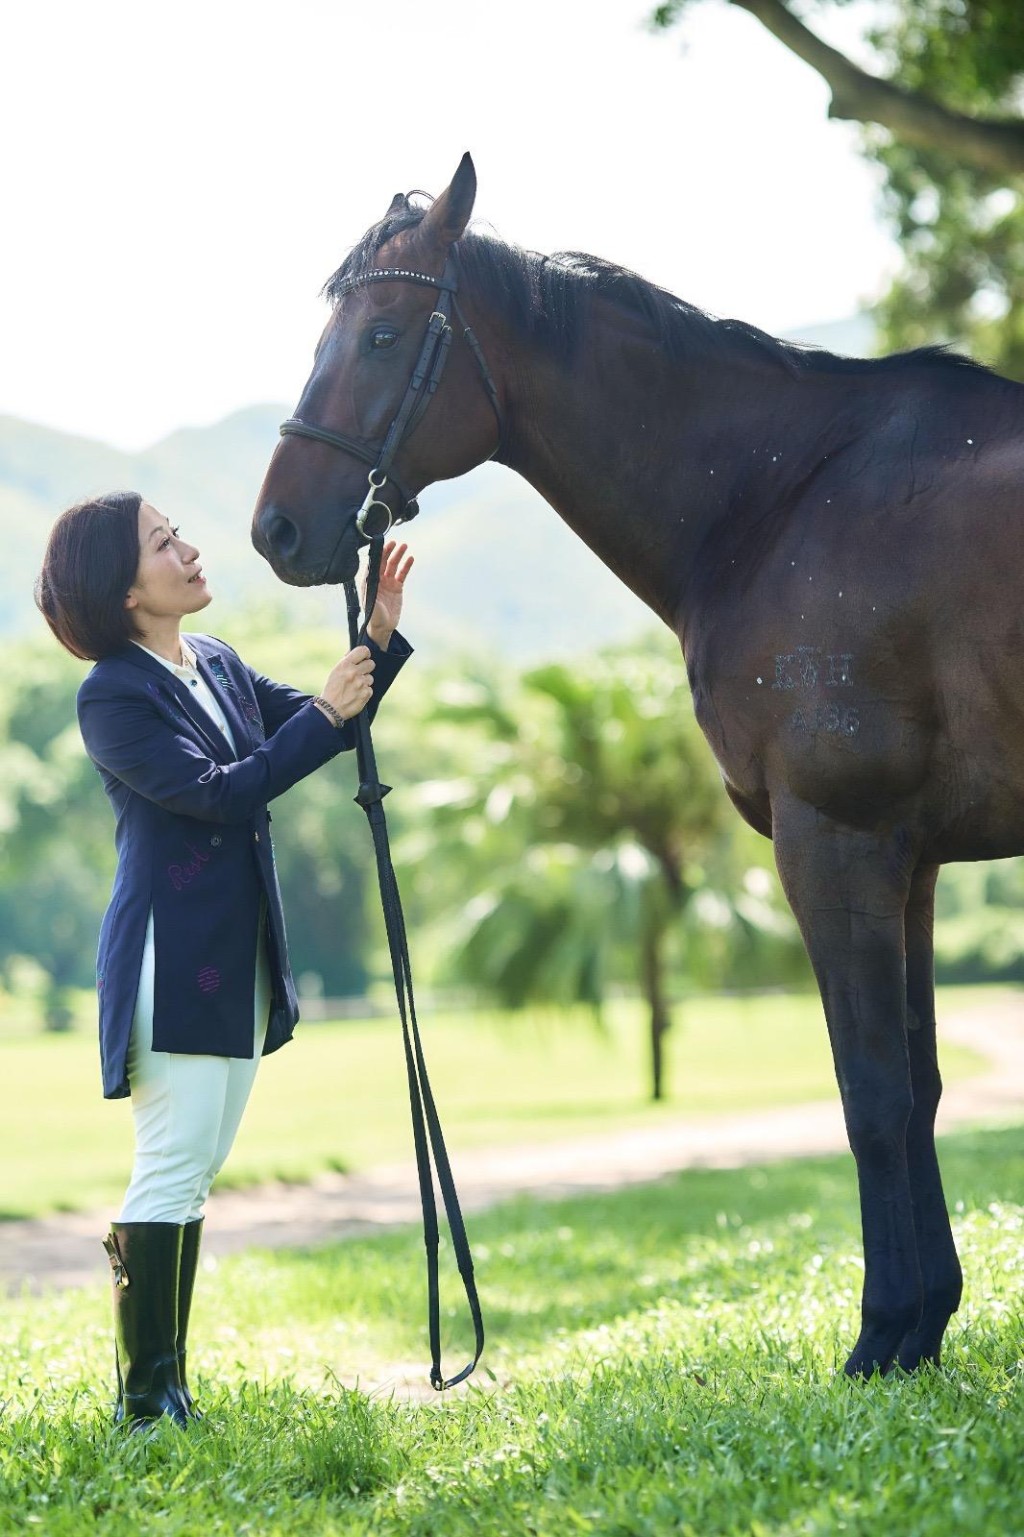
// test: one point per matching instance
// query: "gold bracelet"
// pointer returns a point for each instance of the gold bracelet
(336, 720)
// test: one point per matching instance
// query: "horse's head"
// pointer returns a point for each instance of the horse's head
(363, 442)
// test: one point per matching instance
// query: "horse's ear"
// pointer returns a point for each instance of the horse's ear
(446, 219)
(397, 203)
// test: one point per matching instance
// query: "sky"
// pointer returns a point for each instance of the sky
(180, 179)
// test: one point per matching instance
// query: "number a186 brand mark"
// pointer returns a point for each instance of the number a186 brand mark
(808, 669)
(836, 719)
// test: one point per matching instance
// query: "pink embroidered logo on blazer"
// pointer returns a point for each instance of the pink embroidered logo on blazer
(181, 876)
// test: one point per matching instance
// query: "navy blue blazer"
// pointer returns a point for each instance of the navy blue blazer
(193, 842)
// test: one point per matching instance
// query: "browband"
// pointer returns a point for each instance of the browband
(375, 274)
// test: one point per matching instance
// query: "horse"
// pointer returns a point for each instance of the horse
(834, 541)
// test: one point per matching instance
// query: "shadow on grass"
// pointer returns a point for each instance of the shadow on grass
(576, 1264)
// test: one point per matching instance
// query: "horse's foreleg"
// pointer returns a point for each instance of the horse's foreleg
(848, 890)
(940, 1268)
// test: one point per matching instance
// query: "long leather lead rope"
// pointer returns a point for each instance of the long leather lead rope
(426, 1126)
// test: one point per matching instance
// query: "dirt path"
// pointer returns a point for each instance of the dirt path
(65, 1251)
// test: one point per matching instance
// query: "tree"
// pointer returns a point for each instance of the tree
(596, 814)
(56, 852)
(944, 121)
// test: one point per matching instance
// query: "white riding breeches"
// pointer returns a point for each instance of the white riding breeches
(186, 1109)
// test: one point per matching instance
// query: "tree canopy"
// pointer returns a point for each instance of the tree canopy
(942, 116)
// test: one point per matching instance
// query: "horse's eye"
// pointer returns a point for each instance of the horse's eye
(382, 337)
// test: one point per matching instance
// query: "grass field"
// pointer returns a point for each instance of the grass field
(336, 1097)
(660, 1361)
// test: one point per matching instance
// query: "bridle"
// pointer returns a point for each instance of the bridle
(426, 377)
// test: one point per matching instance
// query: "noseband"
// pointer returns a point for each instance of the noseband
(426, 377)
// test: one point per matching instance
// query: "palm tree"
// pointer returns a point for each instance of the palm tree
(595, 809)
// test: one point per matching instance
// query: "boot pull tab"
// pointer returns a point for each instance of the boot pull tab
(116, 1263)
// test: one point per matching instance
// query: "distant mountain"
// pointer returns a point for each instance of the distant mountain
(204, 478)
(496, 568)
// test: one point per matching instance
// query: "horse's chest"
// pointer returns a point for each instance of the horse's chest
(728, 717)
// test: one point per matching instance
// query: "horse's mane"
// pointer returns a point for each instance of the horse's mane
(545, 298)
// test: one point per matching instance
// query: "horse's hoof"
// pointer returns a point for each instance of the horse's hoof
(921, 1347)
(870, 1357)
(859, 1369)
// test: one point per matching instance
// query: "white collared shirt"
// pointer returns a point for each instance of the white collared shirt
(197, 686)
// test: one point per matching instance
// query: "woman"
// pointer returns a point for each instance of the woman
(192, 972)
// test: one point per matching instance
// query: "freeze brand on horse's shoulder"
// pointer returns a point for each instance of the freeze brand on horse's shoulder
(809, 667)
(802, 667)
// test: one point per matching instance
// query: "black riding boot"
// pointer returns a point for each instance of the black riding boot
(191, 1238)
(146, 1258)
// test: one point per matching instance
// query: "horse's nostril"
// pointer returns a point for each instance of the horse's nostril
(281, 534)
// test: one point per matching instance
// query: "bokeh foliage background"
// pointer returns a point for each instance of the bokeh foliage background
(553, 828)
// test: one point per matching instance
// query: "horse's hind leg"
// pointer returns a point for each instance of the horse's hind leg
(848, 890)
(940, 1268)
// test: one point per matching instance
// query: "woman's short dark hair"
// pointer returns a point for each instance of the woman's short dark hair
(91, 559)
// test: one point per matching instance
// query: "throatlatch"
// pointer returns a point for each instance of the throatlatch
(426, 1126)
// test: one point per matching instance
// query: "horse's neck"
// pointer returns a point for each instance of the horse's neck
(642, 457)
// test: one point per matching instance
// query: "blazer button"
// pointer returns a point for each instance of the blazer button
(216, 841)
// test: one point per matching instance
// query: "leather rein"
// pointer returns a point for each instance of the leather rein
(428, 1138)
(422, 386)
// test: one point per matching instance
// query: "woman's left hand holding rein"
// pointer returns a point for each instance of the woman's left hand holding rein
(395, 566)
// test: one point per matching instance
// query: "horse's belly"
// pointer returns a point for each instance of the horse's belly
(965, 844)
(974, 808)
(974, 802)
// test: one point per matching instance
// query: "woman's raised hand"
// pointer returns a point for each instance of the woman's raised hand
(395, 566)
(349, 686)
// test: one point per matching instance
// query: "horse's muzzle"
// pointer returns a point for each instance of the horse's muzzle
(280, 540)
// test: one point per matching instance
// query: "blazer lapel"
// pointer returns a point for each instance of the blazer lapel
(180, 697)
(215, 676)
(204, 726)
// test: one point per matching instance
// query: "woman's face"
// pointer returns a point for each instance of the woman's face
(169, 582)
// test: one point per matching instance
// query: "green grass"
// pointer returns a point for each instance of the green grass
(336, 1097)
(661, 1361)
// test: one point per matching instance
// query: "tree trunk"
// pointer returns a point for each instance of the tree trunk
(57, 1015)
(652, 981)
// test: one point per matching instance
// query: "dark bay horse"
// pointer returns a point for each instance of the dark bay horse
(837, 544)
